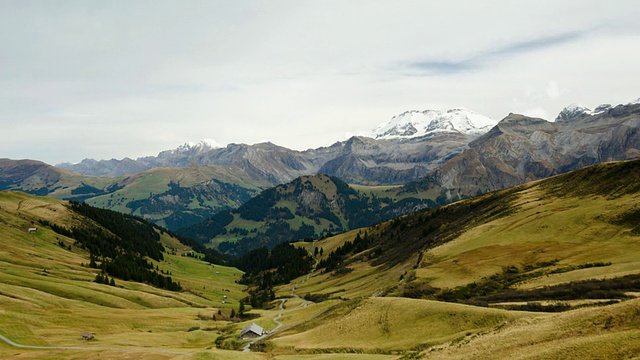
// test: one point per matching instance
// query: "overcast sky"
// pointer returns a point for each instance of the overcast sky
(113, 79)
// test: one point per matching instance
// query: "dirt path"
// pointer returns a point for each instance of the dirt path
(91, 348)
(276, 319)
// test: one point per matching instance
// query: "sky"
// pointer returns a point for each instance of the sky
(114, 79)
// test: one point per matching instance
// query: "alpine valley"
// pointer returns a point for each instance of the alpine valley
(443, 235)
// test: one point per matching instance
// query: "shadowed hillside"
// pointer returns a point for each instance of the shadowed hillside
(308, 207)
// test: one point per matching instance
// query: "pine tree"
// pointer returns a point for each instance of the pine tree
(241, 309)
(99, 278)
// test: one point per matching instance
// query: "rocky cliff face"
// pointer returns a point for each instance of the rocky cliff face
(394, 161)
(521, 149)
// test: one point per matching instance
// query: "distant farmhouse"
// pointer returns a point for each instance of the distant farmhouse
(32, 230)
(251, 331)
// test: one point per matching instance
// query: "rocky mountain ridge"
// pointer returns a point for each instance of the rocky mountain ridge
(386, 159)
(521, 149)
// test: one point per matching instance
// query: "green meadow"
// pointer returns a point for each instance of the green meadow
(553, 232)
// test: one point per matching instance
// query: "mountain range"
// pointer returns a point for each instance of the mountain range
(404, 149)
(521, 149)
(444, 159)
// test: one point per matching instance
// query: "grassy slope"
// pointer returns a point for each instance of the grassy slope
(156, 181)
(573, 229)
(62, 184)
(551, 222)
(387, 324)
(611, 332)
(48, 298)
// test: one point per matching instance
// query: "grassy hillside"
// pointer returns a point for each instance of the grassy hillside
(387, 325)
(446, 283)
(48, 295)
(175, 197)
(566, 235)
(610, 332)
(170, 197)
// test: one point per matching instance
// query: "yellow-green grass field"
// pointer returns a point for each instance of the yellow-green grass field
(48, 297)
(573, 230)
(388, 325)
(610, 332)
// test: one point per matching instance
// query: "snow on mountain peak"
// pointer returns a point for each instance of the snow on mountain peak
(202, 144)
(419, 123)
(573, 111)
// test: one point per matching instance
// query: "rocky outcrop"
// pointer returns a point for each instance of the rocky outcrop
(393, 161)
(521, 149)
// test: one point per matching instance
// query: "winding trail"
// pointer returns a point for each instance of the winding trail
(276, 319)
(91, 348)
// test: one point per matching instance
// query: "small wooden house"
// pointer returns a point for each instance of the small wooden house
(87, 335)
(251, 331)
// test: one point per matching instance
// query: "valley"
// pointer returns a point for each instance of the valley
(480, 256)
(415, 180)
(382, 300)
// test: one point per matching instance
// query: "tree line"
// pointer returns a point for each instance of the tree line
(265, 269)
(119, 247)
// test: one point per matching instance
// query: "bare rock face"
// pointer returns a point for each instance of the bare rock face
(521, 149)
(394, 161)
(360, 160)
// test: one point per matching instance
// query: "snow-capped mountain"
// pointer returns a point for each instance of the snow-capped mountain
(574, 111)
(206, 144)
(412, 124)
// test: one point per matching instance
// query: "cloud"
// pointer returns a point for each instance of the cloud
(553, 90)
(489, 57)
(536, 44)
(102, 79)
